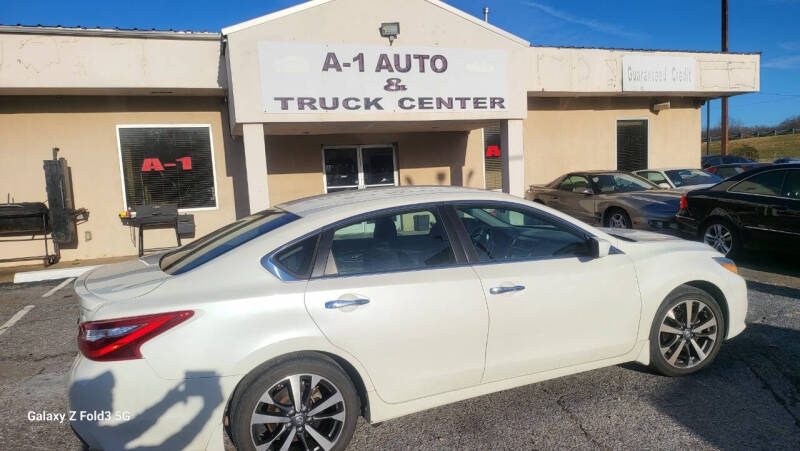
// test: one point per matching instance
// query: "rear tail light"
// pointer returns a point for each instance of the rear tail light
(120, 339)
(684, 203)
(712, 170)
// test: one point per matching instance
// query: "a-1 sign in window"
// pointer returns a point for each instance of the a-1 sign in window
(167, 165)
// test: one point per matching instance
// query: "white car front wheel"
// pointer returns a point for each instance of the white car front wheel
(687, 332)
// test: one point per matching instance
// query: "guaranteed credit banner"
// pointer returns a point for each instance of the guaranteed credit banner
(658, 73)
(321, 78)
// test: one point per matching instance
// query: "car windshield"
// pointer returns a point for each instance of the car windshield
(222, 240)
(688, 177)
(620, 183)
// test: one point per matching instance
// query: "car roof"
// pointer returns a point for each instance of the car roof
(742, 163)
(676, 168)
(356, 201)
(760, 169)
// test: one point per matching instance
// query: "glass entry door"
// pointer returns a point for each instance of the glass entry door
(358, 167)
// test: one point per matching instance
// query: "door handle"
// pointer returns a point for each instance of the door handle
(501, 290)
(339, 303)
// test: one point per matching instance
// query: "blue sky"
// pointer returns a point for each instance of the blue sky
(767, 26)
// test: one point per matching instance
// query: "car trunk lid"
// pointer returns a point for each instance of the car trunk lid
(119, 282)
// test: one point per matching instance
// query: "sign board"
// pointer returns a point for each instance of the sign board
(658, 73)
(306, 78)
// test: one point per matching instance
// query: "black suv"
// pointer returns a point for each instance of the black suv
(757, 209)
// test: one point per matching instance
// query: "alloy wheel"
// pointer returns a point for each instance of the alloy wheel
(719, 237)
(300, 412)
(688, 333)
(618, 221)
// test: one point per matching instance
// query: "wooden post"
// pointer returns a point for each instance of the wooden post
(724, 122)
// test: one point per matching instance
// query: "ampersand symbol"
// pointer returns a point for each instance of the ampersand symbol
(393, 84)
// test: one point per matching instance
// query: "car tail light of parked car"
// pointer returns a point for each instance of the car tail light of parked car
(684, 203)
(120, 339)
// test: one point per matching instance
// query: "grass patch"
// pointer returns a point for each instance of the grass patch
(765, 148)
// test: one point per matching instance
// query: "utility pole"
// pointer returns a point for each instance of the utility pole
(708, 127)
(724, 122)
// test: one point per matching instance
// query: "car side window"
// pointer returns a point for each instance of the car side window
(791, 186)
(579, 183)
(509, 234)
(296, 259)
(653, 176)
(566, 185)
(766, 183)
(391, 242)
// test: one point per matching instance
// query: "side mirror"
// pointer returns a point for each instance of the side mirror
(587, 191)
(664, 185)
(599, 247)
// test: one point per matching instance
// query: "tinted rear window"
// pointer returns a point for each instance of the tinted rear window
(216, 243)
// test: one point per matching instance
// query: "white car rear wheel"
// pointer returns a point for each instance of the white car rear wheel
(303, 404)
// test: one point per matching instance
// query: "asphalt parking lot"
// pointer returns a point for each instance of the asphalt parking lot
(749, 397)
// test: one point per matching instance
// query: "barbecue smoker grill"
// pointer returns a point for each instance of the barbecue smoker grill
(35, 221)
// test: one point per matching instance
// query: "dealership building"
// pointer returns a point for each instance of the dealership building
(326, 96)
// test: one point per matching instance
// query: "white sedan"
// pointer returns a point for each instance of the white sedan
(681, 179)
(284, 327)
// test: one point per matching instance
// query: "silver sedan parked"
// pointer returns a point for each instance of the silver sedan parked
(610, 198)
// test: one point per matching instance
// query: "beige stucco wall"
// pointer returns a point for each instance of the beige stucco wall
(86, 62)
(440, 158)
(84, 128)
(572, 134)
(578, 71)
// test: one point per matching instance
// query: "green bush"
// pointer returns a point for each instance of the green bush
(746, 151)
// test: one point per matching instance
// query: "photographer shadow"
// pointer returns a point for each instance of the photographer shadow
(201, 385)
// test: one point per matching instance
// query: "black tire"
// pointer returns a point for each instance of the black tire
(623, 216)
(658, 338)
(253, 387)
(736, 245)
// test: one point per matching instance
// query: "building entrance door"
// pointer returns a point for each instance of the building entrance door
(358, 167)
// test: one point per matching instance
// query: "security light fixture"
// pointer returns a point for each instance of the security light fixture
(656, 107)
(390, 30)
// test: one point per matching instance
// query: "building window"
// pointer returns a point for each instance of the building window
(492, 160)
(358, 167)
(632, 145)
(167, 165)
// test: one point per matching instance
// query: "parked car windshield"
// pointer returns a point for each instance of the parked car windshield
(688, 177)
(620, 183)
(222, 240)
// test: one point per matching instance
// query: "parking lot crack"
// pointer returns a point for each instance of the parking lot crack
(29, 358)
(578, 422)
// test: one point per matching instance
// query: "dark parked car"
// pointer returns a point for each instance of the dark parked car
(611, 199)
(724, 171)
(755, 209)
(784, 160)
(716, 160)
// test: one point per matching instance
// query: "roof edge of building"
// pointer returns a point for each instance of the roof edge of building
(110, 32)
(624, 49)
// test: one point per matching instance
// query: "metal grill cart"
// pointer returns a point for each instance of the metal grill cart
(34, 221)
(27, 221)
(159, 216)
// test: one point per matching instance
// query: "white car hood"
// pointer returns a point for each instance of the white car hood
(640, 235)
(640, 241)
(119, 281)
